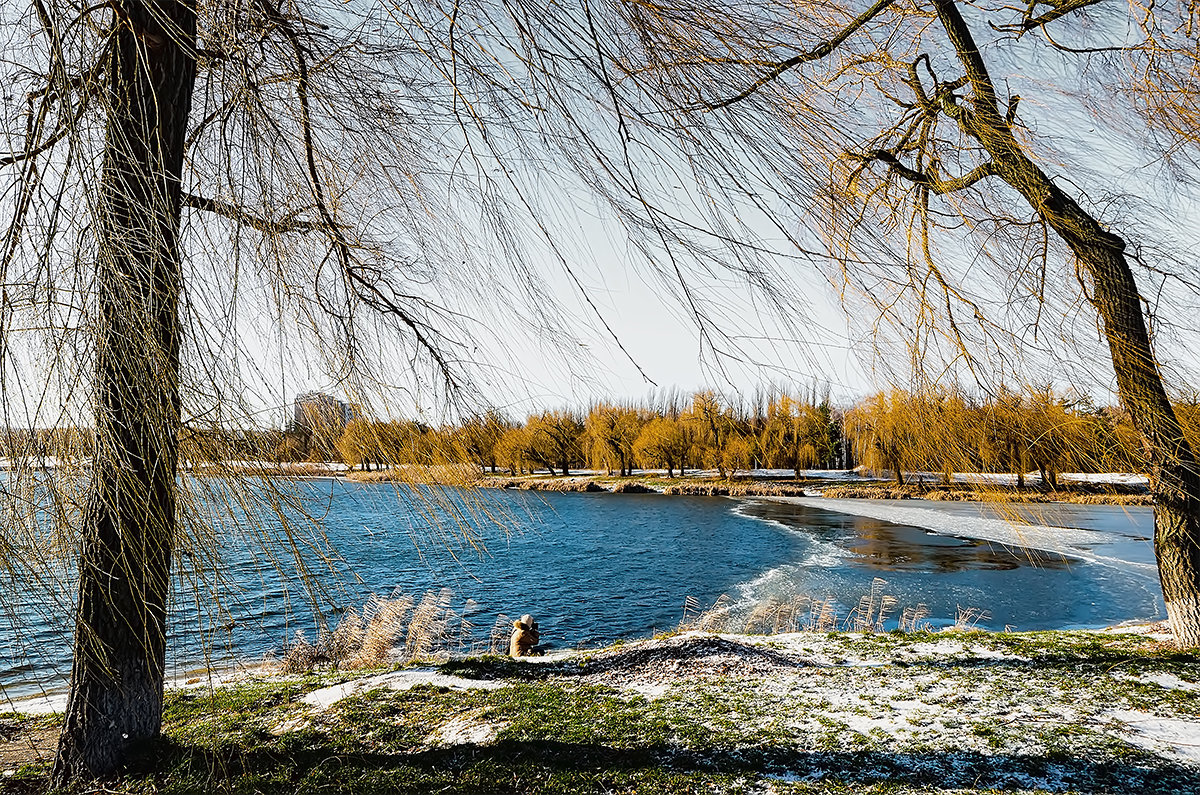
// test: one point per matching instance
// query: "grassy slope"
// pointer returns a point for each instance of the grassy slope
(800, 713)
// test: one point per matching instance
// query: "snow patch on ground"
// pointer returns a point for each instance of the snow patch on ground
(1164, 680)
(1114, 478)
(397, 680)
(648, 690)
(1156, 630)
(1010, 479)
(40, 705)
(465, 729)
(1173, 738)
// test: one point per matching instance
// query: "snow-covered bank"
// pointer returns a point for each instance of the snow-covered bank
(700, 712)
(1002, 697)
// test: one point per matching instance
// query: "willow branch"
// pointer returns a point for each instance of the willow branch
(235, 213)
(933, 182)
(815, 54)
(1059, 10)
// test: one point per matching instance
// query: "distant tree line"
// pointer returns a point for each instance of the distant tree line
(675, 433)
(1015, 431)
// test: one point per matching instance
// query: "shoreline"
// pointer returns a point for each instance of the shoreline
(827, 485)
(910, 511)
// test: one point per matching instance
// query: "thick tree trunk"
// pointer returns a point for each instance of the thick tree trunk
(1101, 254)
(116, 694)
(1174, 476)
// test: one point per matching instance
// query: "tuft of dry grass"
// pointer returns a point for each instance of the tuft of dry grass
(385, 627)
(388, 630)
(712, 619)
(499, 636)
(874, 611)
(914, 618)
(967, 618)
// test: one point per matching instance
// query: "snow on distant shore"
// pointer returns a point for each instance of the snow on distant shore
(1066, 541)
(1098, 478)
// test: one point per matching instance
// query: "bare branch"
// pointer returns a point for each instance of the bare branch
(935, 184)
(814, 54)
(1059, 10)
(984, 90)
(241, 216)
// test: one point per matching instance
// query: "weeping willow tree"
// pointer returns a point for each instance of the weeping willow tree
(199, 195)
(993, 191)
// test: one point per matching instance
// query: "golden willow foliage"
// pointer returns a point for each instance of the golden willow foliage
(938, 431)
(708, 431)
(1017, 432)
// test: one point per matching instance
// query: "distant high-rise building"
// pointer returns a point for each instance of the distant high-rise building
(316, 412)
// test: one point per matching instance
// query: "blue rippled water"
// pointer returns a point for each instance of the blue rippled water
(593, 568)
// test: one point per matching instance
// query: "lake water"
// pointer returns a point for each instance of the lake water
(594, 568)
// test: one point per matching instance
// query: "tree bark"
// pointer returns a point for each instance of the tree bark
(116, 695)
(1101, 255)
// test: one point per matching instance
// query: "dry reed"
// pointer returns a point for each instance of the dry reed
(874, 612)
(391, 630)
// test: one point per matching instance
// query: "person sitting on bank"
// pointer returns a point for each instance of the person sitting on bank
(524, 637)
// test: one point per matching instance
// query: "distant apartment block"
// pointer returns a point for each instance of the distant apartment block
(316, 412)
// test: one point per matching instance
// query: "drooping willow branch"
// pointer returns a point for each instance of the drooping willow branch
(816, 53)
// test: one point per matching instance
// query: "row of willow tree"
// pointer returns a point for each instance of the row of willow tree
(892, 432)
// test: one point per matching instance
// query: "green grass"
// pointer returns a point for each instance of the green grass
(544, 731)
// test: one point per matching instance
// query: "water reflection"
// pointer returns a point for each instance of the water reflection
(883, 546)
(1014, 586)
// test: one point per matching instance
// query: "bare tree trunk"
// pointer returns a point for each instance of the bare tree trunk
(129, 523)
(1175, 479)
(1115, 296)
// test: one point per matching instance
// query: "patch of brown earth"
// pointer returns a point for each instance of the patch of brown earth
(672, 660)
(26, 741)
